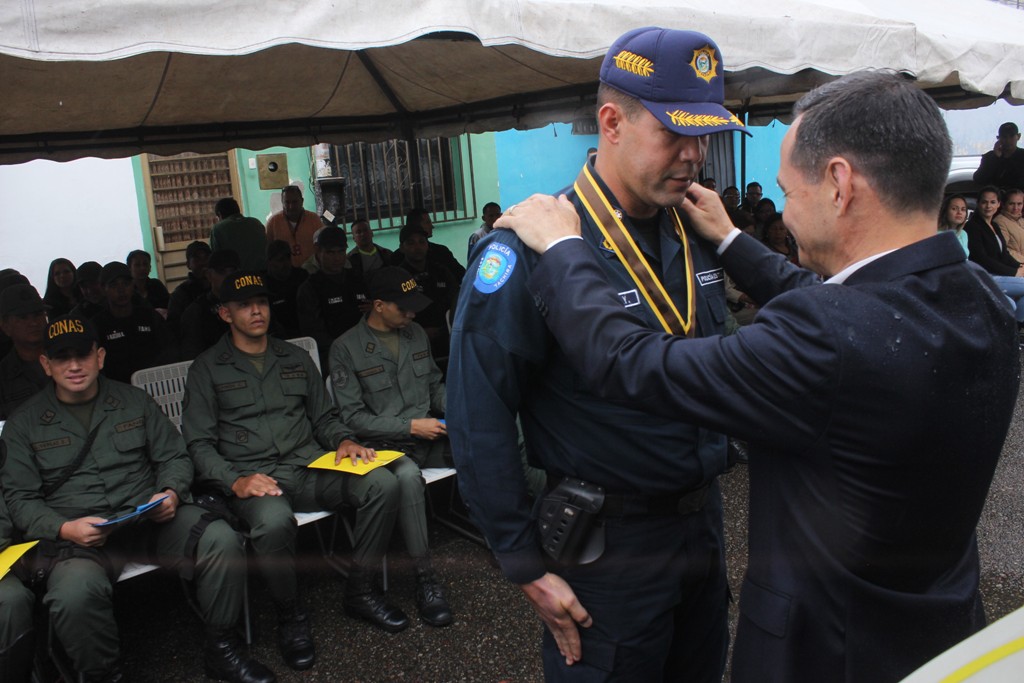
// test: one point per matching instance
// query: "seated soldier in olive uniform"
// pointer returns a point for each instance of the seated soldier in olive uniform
(86, 450)
(23, 319)
(386, 384)
(256, 414)
(16, 601)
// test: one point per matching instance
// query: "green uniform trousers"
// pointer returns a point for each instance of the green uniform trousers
(15, 610)
(374, 496)
(412, 512)
(79, 592)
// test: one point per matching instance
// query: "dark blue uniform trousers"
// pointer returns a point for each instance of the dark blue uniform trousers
(659, 599)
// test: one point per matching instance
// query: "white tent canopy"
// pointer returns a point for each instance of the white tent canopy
(114, 78)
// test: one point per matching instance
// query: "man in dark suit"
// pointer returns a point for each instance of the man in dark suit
(875, 404)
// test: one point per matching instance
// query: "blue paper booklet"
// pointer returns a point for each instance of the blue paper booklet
(145, 507)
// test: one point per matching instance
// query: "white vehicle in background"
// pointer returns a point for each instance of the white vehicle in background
(961, 178)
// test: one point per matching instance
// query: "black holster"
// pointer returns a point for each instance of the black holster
(571, 531)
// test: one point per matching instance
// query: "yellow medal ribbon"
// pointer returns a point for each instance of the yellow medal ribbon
(633, 259)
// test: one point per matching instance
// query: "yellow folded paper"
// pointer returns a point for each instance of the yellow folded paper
(9, 556)
(326, 462)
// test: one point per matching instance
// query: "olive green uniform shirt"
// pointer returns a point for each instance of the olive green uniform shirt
(378, 394)
(137, 452)
(238, 421)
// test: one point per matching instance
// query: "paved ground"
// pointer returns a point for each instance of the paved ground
(496, 637)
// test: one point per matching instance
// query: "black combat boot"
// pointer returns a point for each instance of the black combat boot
(295, 639)
(224, 660)
(430, 600)
(16, 660)
(364, 601)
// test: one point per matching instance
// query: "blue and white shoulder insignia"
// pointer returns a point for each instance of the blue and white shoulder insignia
(496, 266)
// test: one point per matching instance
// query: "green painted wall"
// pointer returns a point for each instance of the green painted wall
(140, 197)
(256, 202)
(480, 185)
(480, 174)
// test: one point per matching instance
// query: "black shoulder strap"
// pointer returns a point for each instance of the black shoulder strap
(75, 464)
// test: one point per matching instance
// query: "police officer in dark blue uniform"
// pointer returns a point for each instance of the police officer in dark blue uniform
(623, 556)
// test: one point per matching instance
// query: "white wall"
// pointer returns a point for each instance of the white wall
(84, 210)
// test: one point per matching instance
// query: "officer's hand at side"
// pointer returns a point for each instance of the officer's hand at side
(427, 428)
(556, 603)
(255, 485)
(707, 214)
(82, 532)
(540, 220)
(355, 452)
(165, 511)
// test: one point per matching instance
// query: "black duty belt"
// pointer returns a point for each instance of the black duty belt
(624, 505)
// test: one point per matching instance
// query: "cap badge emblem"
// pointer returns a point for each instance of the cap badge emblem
(704, 63)
(634, 63)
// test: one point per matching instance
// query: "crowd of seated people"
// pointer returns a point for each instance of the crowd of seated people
(131, 322)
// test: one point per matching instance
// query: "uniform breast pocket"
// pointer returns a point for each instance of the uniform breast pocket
(235, 398)
(374, 382)
(717, 305)
(421, 363)
(130, 440)
(294, 387)
(53, 459)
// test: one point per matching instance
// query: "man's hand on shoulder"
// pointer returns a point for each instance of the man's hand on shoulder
(355, 453)
(541, 220)
(82, 532)
(256, 485)
(707, 214)
(556, 603)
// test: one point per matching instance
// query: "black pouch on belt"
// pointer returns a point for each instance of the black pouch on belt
(570, 530)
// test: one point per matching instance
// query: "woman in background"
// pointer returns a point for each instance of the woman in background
(953, 216)
(147, 289)
(60, 293)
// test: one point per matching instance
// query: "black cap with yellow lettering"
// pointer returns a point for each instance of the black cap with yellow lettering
(70, 333)
(242, 285)
(397, 285)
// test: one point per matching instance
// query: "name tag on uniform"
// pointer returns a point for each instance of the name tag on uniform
(629, 298)
(710, 277)
(52, 443)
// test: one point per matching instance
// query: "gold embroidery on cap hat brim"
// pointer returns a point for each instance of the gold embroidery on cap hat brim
(634, 63)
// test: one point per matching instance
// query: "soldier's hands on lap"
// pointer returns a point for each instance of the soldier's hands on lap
(556, 603)
(355, 452)
(256, 485)
(540, 220)
(82, 532)
(427, 428)
(165, 511)
(707, 213)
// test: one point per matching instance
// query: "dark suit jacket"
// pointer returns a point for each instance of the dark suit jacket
(986, 250)
(876, 412)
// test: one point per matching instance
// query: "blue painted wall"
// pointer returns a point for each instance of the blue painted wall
(763, 160)
(542, 160)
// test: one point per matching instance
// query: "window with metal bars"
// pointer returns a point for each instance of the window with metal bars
(383, 181)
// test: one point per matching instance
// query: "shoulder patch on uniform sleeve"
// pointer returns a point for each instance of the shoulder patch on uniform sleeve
(496, 266)
(339, 378)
